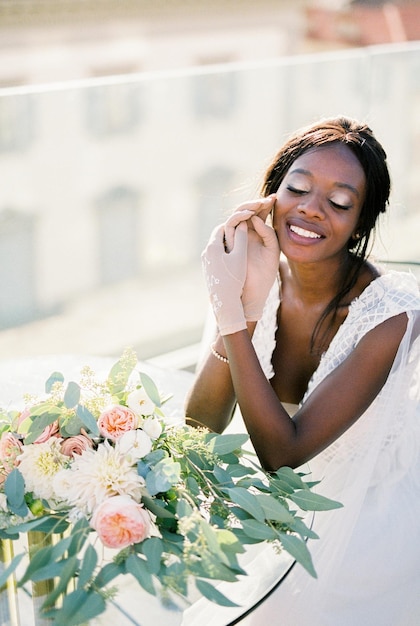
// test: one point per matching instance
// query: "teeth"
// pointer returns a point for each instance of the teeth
(304, 233)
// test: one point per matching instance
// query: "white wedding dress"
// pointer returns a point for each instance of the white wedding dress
(368, 555)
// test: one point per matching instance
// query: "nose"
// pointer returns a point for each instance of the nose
(312, 206)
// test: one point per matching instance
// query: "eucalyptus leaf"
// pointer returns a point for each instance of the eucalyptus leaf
(223, 477)
(299, 527)
(72, 395)
(213, 594)
(216, 570)
(309, 501)
(142, 468)
(212, 541)
(258, 530)
(41, 409)
(108, 573)
(274, 510)
(88, 419)
(90, 561)
(150, 388)
(247, 501)
(10, 569)
(79, 535)
(55, 377)
(298, 549)
(71, 425)
(154, 457)
(69, 568)
(288, 480)
(183, 508)
(224, 444)
(138, 568)
(49, 572)
(193, 485)
(244, 538)
(199, 461)
(158, 507)
(78, 607)
(47, 523)
(39, 424)
(39, 559)
(252, 481)
(14, 488)
(152, 549)
(239, 471)
(9, 533)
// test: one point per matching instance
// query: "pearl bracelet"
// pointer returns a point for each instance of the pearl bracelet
(217, 355)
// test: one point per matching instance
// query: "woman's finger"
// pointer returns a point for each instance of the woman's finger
(266, 206)
(267, 234)
(244, 212)
(231, 225)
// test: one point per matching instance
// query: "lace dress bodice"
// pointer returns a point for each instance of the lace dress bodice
(388, 295)
(366, 558)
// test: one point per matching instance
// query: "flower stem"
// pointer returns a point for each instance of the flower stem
(42, 588)
(9, 609)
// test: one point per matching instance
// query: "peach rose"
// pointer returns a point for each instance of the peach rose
(10, 448)
(76, 445)
(120, 522)
(49, 431)
(116, 421)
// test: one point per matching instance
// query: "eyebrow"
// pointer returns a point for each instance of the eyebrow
(300, 170)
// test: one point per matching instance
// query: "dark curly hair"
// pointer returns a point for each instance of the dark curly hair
(359, 138)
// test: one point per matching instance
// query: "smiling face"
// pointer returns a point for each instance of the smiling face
(318, 204)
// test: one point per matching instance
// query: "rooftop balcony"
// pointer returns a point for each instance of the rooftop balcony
(111, 187)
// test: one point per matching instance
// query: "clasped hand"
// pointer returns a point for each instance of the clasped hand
(240, 264)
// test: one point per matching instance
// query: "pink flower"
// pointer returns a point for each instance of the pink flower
(76, 445)
(49, 431)
(120, 522)
(116, 421)
(10, 448)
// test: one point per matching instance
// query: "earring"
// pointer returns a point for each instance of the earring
(356, 236)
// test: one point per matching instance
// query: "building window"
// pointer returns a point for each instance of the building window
(214, 94)
(119, 250)
(16, 123)
(112, 109)
(17, 279)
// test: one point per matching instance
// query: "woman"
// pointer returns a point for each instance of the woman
(309, 328)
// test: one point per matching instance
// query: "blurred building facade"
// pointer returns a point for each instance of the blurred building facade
(45, 41)
(112, 179)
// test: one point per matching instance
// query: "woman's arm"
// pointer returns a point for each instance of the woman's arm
(211, 400)
(240, 264)
(338, 401)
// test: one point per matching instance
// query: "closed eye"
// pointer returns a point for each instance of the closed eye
(343, 207)
(299, 192)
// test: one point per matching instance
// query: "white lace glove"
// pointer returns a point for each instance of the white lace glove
(263, 254)
(225, 274)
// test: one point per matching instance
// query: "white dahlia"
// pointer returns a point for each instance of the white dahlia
(98, 474)
(38, 464)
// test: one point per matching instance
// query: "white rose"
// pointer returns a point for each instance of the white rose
(135, 443)
(152, 427)
(139, 402)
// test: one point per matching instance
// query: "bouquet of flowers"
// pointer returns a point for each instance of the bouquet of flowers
(96, 470)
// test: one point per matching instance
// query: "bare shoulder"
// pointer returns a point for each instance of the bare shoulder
(368, 273)
(387, 336)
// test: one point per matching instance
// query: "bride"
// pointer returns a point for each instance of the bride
(320, 350)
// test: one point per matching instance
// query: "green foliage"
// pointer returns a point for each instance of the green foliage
(205, 493)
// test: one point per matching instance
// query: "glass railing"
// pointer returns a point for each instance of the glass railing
(110, 187)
